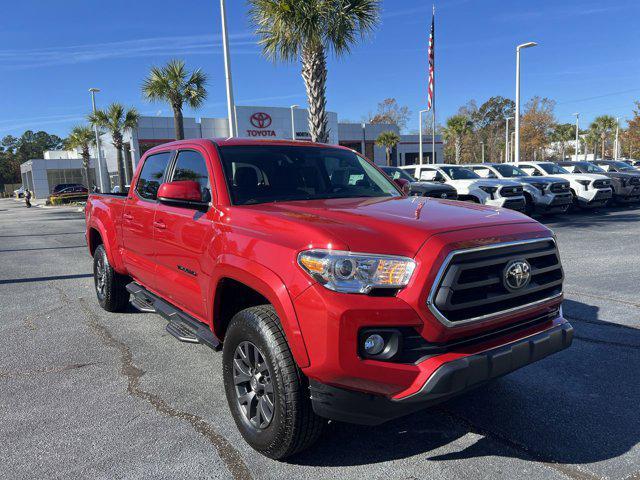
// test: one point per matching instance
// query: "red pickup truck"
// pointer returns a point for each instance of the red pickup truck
(331, 293)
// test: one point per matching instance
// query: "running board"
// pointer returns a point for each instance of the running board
(181, 325)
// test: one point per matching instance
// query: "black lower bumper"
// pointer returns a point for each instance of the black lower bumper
(449, 380)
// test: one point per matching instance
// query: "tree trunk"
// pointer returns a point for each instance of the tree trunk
(85, 165)
(388, 150)
(457, 151)
(120, 163)
(314, 73)
(178, 122)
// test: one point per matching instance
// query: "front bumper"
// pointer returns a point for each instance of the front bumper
(450, 379)
(552, 202)
(514, 203)
(594, 198)
(629, 194)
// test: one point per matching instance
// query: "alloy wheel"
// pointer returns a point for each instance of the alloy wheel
(253, 385)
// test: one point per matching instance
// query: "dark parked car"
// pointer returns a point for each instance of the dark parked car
(61, 186)
(626, 185)
(75, 193)
(422, 189)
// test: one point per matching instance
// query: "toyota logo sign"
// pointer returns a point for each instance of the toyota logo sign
(260, 120)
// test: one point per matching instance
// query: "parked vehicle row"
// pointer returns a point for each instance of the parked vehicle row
(532, 187)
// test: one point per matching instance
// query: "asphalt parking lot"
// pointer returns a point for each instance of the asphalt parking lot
(88, 394)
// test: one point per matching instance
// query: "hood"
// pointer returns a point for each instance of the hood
(581, 176)
(487, 182)
(431, 187)
(545, 180)
(387, 225)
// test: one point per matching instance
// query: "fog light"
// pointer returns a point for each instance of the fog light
(374, 344)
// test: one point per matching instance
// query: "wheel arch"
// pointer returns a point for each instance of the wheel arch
(254, 280)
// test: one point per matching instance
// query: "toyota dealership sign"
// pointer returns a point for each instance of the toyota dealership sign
(275, 122)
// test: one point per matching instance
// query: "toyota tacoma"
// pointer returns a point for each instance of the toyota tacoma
(331, 293)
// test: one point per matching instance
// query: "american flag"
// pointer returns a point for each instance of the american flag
(432, 62)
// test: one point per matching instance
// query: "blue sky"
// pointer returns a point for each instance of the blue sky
(52, 52)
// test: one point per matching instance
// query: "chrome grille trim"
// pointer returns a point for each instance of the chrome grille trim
(443, 268)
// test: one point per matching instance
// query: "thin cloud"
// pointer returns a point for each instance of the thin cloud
(137, 48)
(558, 13)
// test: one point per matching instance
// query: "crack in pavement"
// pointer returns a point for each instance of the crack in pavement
(570, 471)
(45, 370)
(227, 452)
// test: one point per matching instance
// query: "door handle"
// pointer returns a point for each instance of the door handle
(126, 216)
(159, 225)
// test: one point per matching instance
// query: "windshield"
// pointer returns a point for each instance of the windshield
(553, 169)
(510, 171)
(624, 166)
(396, 173)
(591, 168)
(276, 173)
(460, 173)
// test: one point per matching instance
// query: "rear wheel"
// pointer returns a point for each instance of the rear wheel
(110, 285)
(267, 393)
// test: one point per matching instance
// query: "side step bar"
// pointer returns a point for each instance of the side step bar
(181, 325)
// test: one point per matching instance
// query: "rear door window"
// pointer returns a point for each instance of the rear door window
(152, 175)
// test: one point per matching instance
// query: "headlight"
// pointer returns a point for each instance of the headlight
(540, 186)
(350, 272)
(584, 183)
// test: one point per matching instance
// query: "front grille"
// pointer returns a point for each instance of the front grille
(515, 203)
(560, 187)
(510, 191)
(470, 285)
(634, 181)
(602, 184)
(448, 194)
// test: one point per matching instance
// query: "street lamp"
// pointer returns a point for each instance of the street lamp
(93, 92)
(506, 141)
(233, 130)
(517, 114)
(482, 146)
(577, 138)
(293, 122)
(420, 135)
(615, 155)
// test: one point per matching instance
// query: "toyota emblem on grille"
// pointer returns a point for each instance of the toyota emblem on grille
(260, 120)
(516, 275)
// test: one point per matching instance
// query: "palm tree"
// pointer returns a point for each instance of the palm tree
(175, 85)
(603, 126)
(82, 137)
(562, 134)
(117, 120)
(308, 29)
(388, 140)
(457, 127)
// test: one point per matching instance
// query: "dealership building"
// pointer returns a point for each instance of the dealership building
(41, 175)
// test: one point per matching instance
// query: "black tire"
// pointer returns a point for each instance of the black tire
(529, 206)
(293, 425)
(110, 285)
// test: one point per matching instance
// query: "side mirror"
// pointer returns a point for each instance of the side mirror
(403, 184)
(181, 193)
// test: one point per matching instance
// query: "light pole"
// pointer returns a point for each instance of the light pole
(482, 146)
(511, 150)
(420, 135)
(233, 131)
(93, 92)
(506, 140)
(293, 122)
(517, 114)
(615, 154)
(577, 138)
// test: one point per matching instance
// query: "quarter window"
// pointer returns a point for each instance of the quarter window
(152, 174)
(191, 165)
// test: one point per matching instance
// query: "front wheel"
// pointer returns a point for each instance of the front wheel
(267, 393)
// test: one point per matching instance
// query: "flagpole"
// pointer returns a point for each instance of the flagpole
(433, 104)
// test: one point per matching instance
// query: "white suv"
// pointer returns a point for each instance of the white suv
(470, 186)
(589, 189)
(543, 194)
